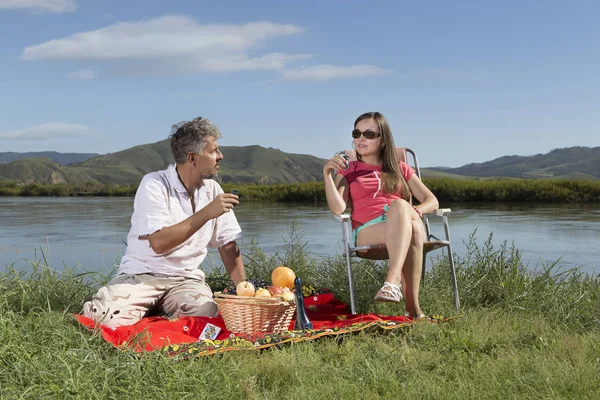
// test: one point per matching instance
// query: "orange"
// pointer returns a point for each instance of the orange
(283, 276)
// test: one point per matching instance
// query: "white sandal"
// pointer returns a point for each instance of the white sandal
(391, 295)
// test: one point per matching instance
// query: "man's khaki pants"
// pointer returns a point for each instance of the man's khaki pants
(127, 298)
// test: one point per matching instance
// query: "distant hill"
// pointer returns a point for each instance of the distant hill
(30, 170)
(567, 163)
(268, 165)
(440, 173)
(241, 164)
(60, 158)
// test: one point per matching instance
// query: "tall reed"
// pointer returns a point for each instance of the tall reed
(446, 190)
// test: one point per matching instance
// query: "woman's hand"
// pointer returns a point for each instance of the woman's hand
(335, 187)
(335, 163)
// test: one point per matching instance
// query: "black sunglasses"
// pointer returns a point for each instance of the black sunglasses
(367, 134)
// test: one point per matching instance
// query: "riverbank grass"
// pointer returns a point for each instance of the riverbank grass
(446, 190)
(518, 335)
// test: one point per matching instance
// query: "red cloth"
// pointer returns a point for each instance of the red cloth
(154, 333)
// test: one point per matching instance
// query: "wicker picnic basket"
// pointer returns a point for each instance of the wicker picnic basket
(255, 314)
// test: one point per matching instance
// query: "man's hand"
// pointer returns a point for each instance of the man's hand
(172, 236)
(220, 205)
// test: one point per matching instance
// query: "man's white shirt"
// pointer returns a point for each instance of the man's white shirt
(161, 201)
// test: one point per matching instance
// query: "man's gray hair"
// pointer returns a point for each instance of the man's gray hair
(190, 136)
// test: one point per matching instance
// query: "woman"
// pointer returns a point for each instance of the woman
(380, 189)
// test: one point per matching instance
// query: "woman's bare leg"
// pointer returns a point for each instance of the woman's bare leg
(396, 233)
(398, 237)
(412, 269)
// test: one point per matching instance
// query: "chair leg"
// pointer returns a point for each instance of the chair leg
(350, 282)
(423, 269)
(451, 259)
(453, 272)
(346, 242)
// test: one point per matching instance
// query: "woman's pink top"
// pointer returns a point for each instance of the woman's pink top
(366, 190)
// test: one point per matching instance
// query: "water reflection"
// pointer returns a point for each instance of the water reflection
(90, 232)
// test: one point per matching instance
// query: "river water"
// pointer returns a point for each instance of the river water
(90, 233)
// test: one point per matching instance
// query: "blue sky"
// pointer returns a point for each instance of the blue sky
(459, 81)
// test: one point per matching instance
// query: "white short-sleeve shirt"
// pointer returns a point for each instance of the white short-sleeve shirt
(160, 201)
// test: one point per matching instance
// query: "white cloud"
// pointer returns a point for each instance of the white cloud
(171, 44)
(176, 44)
(83, 75)
(49, 130)
(327, 72)
(57, 6)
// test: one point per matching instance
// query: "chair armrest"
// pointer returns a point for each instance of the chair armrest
(342, 217)
(440, 212)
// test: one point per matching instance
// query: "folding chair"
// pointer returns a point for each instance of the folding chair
(379, 252)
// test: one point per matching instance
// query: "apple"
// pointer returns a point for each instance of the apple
(245, 288)
(262, 292)
(288, 296)
(275, 290)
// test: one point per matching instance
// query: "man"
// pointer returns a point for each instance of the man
(178, 212)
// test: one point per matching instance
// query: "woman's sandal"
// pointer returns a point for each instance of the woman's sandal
(392, 294)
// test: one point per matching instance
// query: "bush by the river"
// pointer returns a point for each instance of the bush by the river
(66, 190)
(519, 334)
(446, 190)
(515, 190)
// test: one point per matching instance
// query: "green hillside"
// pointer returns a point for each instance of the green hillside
(241, 164)
(34, 170)
(245, 164)
(60, 158)
(430, 173)
(567, 163)
(256, 164)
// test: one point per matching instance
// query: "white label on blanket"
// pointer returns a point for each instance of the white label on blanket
(210, 332)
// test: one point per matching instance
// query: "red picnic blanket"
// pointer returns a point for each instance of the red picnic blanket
(204, 335)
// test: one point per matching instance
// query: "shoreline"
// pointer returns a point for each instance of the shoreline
(446, 190)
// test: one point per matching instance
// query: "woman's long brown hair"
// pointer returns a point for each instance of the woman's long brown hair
(393, 181)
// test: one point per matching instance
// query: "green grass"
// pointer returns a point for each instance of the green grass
(519, 334)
